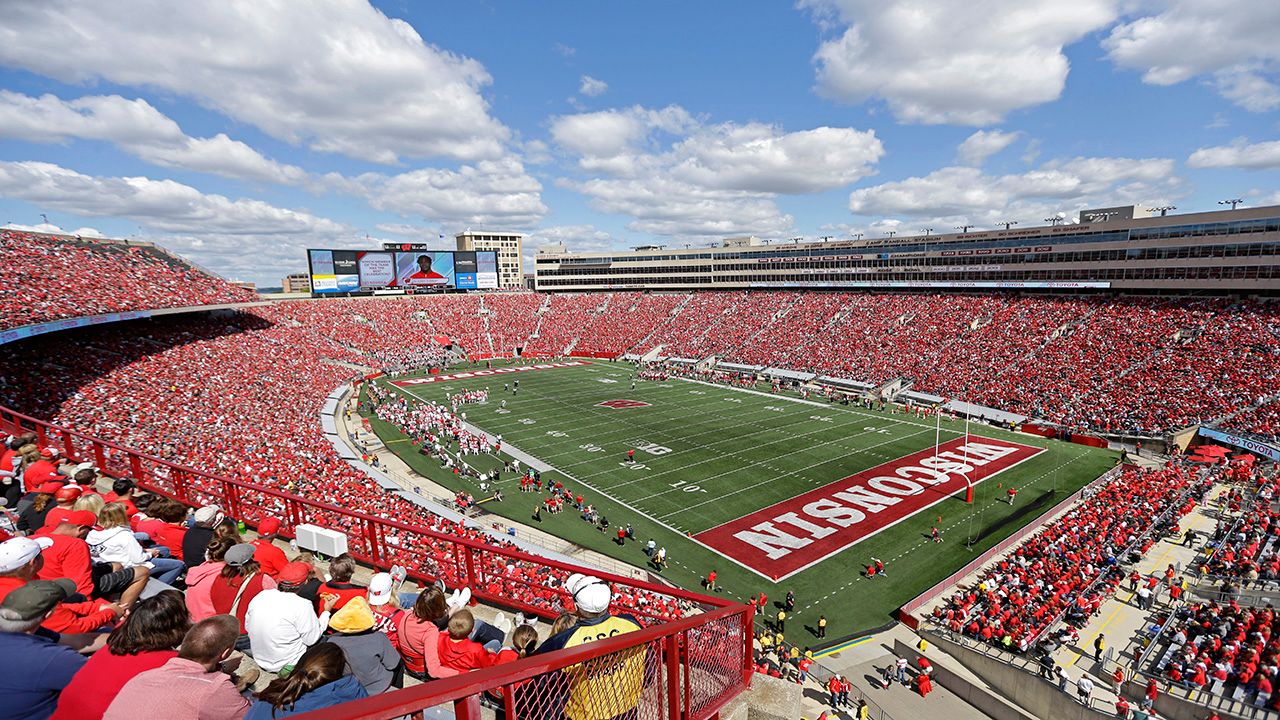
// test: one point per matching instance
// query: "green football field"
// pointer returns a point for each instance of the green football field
(706, 455)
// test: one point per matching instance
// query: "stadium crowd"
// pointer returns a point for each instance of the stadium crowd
(64, 277)
(1071, 566)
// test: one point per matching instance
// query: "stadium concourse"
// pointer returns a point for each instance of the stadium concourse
(236, 395)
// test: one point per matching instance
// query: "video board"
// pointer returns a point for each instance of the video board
(343, 271)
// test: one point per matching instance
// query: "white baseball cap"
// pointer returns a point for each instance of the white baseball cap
(380, 589)
(16, 552)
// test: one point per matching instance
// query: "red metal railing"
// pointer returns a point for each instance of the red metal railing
(688, 668)
(496, 574)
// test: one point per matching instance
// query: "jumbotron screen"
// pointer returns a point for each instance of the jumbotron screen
(341, 271)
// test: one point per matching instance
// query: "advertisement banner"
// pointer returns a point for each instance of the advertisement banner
(1253, 446)
(424, 269)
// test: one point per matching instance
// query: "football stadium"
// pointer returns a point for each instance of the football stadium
(602, 411)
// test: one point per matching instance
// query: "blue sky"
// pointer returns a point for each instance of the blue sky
(240, 133)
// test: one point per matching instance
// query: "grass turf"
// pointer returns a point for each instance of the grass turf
(717, 453)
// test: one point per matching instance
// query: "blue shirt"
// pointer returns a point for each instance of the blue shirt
(33, 671)
(344, 689)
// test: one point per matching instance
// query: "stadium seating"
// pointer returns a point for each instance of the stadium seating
(235, 397)
(64, 277)
(1069, 567)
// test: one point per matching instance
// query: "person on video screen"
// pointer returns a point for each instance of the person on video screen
(425, 275)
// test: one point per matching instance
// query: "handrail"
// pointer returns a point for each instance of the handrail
(460, 688)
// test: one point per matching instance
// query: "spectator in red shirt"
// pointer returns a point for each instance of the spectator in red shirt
(270, 557)
(65, 503)
(148, 638)
(68, 557)
(239, 582)
(20, 563)
(122, 491)
(40, 468)
(459, 652)
(171, 532)
(341, 569)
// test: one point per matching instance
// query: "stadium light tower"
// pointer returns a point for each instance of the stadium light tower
(1232, 202)
(1164, 209)
(927, 231)
(963, 228)
(1007, 223)
(891, 233)
(856, 235)
(825, 238)
(1055, 220)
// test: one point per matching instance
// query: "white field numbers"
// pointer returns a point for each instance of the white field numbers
(684, 486)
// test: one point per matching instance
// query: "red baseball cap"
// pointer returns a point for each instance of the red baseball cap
(69, 493)
(294, 573)
(269, 526)
(50, 488)
(83, 518)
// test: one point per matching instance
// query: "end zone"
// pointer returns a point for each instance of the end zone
(790, 536)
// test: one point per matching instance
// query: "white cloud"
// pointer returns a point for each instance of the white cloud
(491, 192)
(577, 238)
(139, 129)
(592, 87)
(408, 230)
(1238, 154)
(761, 158)
(337, 75)
(676, 176)
(983, 144)
(966, 193)
(940, 61)
(1229, 43)
(160, 204)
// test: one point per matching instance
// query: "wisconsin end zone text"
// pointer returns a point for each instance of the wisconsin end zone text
(789, 536)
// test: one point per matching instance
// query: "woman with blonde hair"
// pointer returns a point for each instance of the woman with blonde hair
(93, 503)
(115, 544)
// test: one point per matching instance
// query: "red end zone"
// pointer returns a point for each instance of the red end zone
(789, 536)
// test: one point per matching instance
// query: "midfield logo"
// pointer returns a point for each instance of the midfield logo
(622, 404)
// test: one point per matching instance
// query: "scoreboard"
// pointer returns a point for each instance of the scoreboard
(344, 271)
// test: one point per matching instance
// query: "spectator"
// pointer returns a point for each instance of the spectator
(238, 584)
(34, 668)
(191, 686)
(173, 526)
(385, 606)
(270, 557)
(20, 562)
(591, 598)
(341, 570)
(123, 491)
(197, 538)
(370, 655)
(419, 637)
(201, 579)
(458, 651)
(34, 507)
(68, 557)
(148, 638)
(115, 544)
(317, 682)
(282, 625)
